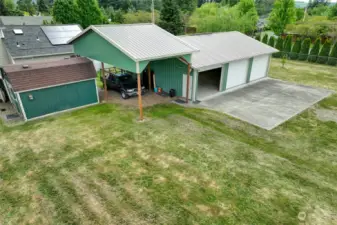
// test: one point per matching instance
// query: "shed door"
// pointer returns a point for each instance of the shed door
(259, 68)
(190, 86)
(237, 73)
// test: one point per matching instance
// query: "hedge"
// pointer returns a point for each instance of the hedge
(296, 49)
(324, 53)
(314, 51)
(258, 37)
(265, 39)
(305, 49)
(271, 41)
(333, 56)
(279, 46)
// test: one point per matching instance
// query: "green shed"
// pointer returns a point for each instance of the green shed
(42, 89)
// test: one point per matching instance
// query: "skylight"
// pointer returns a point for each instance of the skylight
(17, 31)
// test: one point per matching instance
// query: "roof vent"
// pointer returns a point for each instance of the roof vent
(25, 66)
(37, 38)
(17, 44)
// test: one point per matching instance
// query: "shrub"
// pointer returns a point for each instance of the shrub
(333, 56)
(296, 49)
(324, 53)
(279, 46)
(314, 51)
(258, 37)
(304, 49)
(265, 39)
(271, 41)
(287, 45)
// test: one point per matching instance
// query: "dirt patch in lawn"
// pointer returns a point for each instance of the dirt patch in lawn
(326, 115)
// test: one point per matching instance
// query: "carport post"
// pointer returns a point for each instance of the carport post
(149, 76)
(140, 104)
(188, 81)
(104, 82)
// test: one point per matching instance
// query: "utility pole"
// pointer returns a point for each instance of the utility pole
(152, 9)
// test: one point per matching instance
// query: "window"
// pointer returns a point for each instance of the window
(17, 31)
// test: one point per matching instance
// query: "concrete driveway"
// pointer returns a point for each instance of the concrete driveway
(267, 103)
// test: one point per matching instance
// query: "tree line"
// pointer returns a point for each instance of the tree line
(320, 51)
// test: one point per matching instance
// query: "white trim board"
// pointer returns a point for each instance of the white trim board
(21, 106)
(56, 85)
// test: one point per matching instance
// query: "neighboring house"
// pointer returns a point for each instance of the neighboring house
(42, 89)
(30, 43)
(24, 20)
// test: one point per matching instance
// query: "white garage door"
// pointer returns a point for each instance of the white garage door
(259, 68)
(237, 73)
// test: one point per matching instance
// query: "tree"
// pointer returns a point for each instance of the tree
(3, 8)
(316, 3)
(333, 56)
(265, 39)
(225, 2)
(271, 41)
(305, 47)
(258, 37)
(279, 46)
(324, 53)
(65, 12)
(89, 13)
(314, 51)
(299, 14)
(170, 17)
(287, 45)
(42, 6)
(332, 11)
(264, 7)
(186, 7)
(296, 49)
(27, 6)
(283, 13)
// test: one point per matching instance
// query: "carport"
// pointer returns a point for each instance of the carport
(136, 47)
(225, 61)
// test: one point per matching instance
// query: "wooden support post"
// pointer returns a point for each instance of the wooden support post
(104, 83)
(188, 81)
(149, 76)
(140, 104)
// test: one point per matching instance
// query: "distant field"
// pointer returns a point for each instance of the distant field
(181, 166)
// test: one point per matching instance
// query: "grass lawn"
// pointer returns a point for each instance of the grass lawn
(182, 166)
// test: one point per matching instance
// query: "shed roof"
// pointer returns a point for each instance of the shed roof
(33, 42)
(219, 48)
(41, 75)
(21, 20)
(141, 41)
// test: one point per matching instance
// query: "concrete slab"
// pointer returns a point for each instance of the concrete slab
(267, 103)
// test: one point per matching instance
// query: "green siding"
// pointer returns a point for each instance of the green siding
(95, 47)
(224, 76)
(169, 74)
(59, 98)
(249, 69)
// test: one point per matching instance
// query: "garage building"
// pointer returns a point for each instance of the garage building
(40, 89)
(226, 60)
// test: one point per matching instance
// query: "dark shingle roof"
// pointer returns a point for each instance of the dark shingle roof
(27, 20)
(29, 45)
(40, 75)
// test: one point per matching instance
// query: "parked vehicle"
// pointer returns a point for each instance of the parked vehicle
(124, 83)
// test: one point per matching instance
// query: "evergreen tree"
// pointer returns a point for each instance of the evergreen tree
(283, 13)
(3, 8)
(296, 49)
(265, 39)
(287, 45)
(42, 6)
(170, 17)
(258, 37)
(314, 51)
(279, 46)
(271, 41)
(305, 47)
(333, 56)
(65, 12)
(89, 13)
(324, 53)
